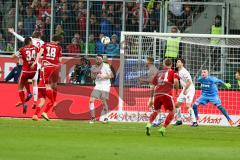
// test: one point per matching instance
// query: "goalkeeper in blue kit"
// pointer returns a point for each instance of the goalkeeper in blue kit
(210, 94)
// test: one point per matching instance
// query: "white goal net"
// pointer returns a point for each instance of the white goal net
(220, 54)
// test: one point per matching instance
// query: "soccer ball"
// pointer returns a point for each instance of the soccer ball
(105, 40)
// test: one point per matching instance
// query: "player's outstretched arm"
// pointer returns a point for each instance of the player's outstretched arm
(19, 37)
(13, 56)
(226, 85)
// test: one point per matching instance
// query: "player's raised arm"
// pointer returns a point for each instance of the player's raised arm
(13, 56)
(19, 37)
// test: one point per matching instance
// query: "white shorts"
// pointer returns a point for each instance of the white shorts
(186, 98)
(101, 92)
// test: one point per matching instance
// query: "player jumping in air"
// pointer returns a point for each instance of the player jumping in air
(37, 42)
(28, 55)
(102, 74)
(187, 93)
(52, 57)
(210, 94)
(161, 94)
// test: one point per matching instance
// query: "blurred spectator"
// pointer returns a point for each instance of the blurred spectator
(185, 20)
(176, 11)
(46, 37)
(77, 36)
(44, 9)
(21, 31)
(74, 47)
(135, 12)
(100, 47)
(59, 30)
(176, 7)
(66, 18)
(173, 48)
(113, 49)
(110, 10)
(10, 46)
(35, 4)
(40, 27)
(155, 15)
(82, 73)
(106, 26)
(94, 26)
(29, 21)
(2, 43)
(91, 45)
(132, 22)
(216, 29)
(80, 13)
(9, 19)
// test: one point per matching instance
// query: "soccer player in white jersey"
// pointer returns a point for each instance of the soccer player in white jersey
(102, 74)
(187, 93)
(37, 42)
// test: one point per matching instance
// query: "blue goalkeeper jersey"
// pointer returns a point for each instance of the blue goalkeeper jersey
(209, 85)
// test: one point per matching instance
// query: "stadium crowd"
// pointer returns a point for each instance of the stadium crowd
(105, 19)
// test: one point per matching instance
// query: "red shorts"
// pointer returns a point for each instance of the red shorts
(25, 76)
(41, 93)
(50, 74)
(165, 100)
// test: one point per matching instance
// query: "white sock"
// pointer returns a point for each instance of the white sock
(91, 107)
(178, 114)
(35, 93)
(105, 109)
(192, 115)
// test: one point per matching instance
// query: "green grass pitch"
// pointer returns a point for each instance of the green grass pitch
(71, 140)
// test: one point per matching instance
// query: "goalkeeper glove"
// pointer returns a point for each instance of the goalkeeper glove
(227, 85)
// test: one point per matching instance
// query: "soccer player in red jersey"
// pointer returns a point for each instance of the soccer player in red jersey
(29, 68)
(52, 57)
(161, 94)
(37, 42)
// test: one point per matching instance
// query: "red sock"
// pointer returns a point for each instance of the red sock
(55, 94)
(48, 107)
(168, 119)
(153, 116)
(22, 96)
(27, 86)
(49, 94)
(38, 109)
